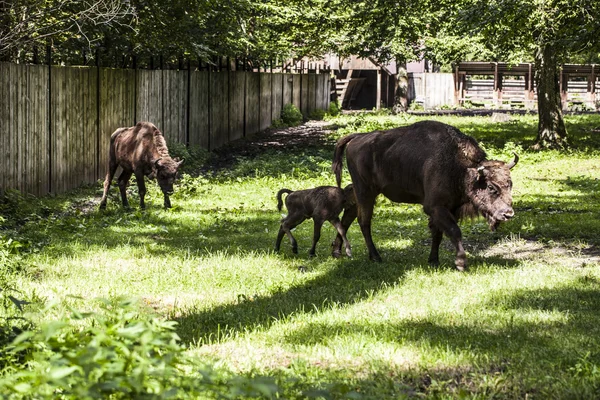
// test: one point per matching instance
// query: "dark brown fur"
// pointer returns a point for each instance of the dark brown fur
(426, 163)
(323, 203)
(140, 150)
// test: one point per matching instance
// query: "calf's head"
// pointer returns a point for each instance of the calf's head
(165, 170)
(489, 188)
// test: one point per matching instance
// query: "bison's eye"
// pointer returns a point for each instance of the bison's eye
(492, 189)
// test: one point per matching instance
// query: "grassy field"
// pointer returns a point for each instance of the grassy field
(524, 322)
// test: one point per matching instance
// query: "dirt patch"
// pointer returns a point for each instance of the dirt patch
(577, 255)
(307, 135)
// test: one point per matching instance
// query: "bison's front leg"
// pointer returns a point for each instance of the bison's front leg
(139, 177)
(443, 219)
(123, 180)
(347, 219)
(167, 201)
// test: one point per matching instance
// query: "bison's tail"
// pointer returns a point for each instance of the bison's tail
(337, 157)
(279, 200)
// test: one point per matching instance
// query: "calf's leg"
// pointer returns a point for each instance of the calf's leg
(342, 233)
(316, 235)
(347, 219)
(287, 224)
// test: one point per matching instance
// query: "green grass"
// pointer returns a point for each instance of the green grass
(523, 321)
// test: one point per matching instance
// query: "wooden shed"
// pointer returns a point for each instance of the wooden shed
(362, 83)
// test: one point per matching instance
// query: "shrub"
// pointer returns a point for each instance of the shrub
(334, 108)
(317, 115)
(291, 115)
(119, 353)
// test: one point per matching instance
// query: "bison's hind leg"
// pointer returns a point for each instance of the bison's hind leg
(112, 168)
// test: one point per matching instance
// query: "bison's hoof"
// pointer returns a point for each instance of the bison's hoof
(376, 258)
(461, 266)
(336, 254)
(295, 250)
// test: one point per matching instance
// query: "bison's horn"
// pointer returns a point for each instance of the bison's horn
(157, 161)
(514, 161)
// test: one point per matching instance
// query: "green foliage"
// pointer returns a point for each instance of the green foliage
(117, 352)
(193, 157)
(317, 115)
(291, 115)
(334, 108)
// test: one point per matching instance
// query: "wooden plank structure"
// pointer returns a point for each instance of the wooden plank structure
(486, 83)
(56, 122)
(363, 82)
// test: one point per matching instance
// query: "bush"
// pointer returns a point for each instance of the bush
(317, 115)
(291, 115)
(334, 108)
(119, 353)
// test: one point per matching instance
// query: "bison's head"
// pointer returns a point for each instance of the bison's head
(490, 190)
(165, 170)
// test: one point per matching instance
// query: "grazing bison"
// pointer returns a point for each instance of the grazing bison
(432, 164)
(140, 150)
(323, 203)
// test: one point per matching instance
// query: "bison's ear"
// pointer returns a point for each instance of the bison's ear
(477, 175)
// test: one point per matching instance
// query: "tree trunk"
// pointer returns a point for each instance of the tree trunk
(401, 92)
(552, 132)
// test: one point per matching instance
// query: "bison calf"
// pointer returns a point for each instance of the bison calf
(323, 203)
(140, 150)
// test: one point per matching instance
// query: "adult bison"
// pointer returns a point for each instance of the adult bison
(140, 150)
(432, 164)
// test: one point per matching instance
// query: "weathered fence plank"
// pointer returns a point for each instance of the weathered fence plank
(219, 109)
(199, 109)
(237, 86)
(74, 142)
(288, 89)
(174, 99)
(252, 103)
(117, 108)
(276, 96)
(297, 91)
(265, 101)
(149, 104)
(304, 108)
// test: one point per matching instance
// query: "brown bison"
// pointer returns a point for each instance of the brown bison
(323, 203)
(140, 150)
(428, 163)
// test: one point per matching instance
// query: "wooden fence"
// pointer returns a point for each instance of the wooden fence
(56, 122)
